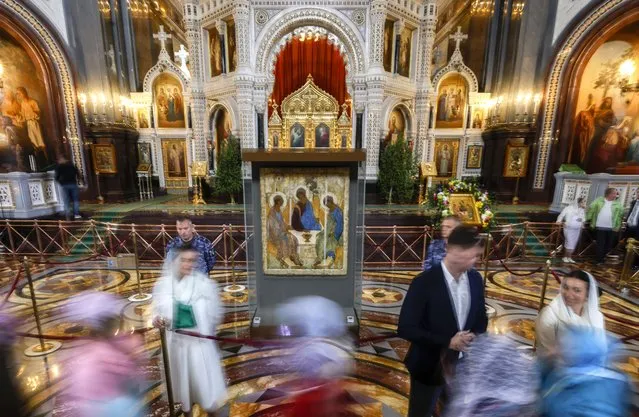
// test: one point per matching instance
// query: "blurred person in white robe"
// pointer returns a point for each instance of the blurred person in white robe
(186, 299)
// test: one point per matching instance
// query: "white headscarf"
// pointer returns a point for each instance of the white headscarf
(591, 316)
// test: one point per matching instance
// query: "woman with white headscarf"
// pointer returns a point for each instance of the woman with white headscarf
(577, 305)
(573, 217)
(187, 299)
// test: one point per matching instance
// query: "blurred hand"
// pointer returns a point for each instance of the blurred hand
(159, 322)
(461, 341)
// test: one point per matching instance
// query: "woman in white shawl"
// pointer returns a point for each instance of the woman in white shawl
(186, 299)
(573, 217)
(577, 305)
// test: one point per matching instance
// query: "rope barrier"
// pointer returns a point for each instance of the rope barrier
(13, 287)
(554, 274)
(63, 337)
(520, 274)
(68, 263)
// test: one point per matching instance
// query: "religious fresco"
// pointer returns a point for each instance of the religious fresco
(215, 52)
(304, 221)
(451, 102)
(297, 136)
(169, 102)
(104, 158)
(230, 36)
(396, 126)
(516, 161)
(477, 122)
(174, 158)
(606, 121)
(322, 136)
(473, 157)
(388, 45)
(143, 118)
(403, 56)
(26, 132)
(446, 152)
(221, 129)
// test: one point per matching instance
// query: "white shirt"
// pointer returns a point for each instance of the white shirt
(460, 294)
(604, 219)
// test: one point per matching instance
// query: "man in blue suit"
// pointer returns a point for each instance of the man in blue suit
(443, 311)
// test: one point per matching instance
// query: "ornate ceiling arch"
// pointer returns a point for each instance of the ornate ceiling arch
(274, 37)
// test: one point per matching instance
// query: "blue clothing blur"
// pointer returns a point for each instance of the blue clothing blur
(436, 252)
(200, 244)
(583, 385)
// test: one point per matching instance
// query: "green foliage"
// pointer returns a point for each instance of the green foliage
(397, 172)
(229, 172)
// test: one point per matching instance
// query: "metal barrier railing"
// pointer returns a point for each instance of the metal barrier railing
(384, 246)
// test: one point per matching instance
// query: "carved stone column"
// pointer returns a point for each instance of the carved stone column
(241, 15)
(198, 99)
(375, 86)
(425, 92)
(376, 43)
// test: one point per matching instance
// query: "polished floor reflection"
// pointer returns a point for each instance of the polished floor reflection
(259, 379)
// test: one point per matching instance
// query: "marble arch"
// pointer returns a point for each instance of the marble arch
(227, 104)
(273, 37)
(48, 43)
(572, 46)
(392, 103)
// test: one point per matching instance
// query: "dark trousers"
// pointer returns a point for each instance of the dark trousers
(423, 398)
(605, 239)
(71, 199)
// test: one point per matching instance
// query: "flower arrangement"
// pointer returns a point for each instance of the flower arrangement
(438, 199)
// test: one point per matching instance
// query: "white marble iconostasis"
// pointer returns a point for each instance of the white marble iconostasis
(164, 123)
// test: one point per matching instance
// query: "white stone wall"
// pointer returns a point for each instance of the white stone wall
(262, 27)
(53, 11)
(566, 12)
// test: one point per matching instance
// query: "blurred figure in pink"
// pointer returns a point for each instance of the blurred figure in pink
(11, 402)
(104, 372)
(322, 357)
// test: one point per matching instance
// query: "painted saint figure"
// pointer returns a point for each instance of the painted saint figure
(330, 238)
(584, 128)
(322, 137)
(278, 234)
(604, 120)
(442, 106)
(175, 159)
(303, 217)
(297, 137)
(444, 161)
(31, 115)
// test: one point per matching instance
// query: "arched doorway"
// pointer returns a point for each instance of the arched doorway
(31, 114)
(220, 129)
(310, 91)
(566, 98)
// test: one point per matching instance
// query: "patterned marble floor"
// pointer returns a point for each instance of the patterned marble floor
(258, 379)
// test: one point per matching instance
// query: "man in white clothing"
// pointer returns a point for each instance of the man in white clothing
(185, 298)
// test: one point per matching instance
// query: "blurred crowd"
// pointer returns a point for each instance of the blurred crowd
(456, 369)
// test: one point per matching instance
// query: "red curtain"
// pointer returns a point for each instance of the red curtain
(318, 58)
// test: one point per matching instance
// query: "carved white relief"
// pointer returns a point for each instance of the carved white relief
(36, 193)
(50, 194)
(6, 197)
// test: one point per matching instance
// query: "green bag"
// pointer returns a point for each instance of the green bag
(184, 317)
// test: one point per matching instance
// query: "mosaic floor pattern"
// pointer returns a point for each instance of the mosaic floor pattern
(378, 384)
